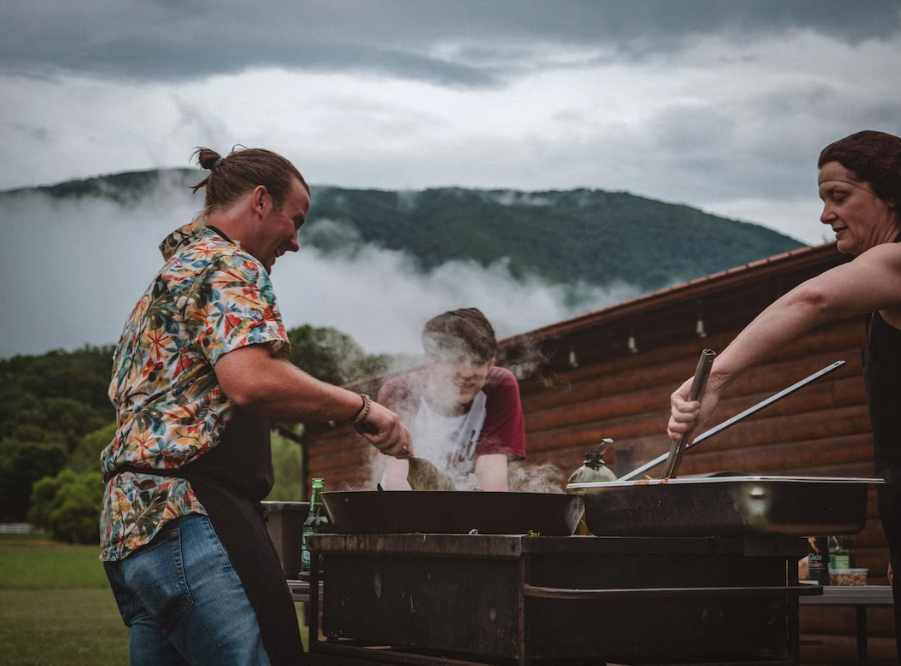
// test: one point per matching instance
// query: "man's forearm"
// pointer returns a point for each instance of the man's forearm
(278, 390)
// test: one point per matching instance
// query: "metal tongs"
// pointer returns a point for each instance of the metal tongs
(677, 447)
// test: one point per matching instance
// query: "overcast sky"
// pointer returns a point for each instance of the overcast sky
(724, 106)
(720, 105)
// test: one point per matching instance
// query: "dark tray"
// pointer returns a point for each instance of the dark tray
(449, 512)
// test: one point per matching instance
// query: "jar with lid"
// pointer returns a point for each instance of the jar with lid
(593, 470)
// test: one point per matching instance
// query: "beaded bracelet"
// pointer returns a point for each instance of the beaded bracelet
(364, 410)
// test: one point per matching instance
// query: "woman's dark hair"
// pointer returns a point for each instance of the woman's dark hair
(242, 170)
(464, 331)
(874, 157)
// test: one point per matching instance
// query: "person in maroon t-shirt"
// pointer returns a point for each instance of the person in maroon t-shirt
(464, 412)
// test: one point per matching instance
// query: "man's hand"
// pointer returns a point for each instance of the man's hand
(384, 430)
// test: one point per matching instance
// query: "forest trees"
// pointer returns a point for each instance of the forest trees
(56, 418)
(48, 403)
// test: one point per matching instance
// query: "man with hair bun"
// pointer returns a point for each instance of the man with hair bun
(860, 185)
(198, 370)
(463, 411)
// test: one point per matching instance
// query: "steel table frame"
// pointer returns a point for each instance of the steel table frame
(859, 597)
(514, 546)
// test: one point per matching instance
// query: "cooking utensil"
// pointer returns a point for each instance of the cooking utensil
(728, 506)
(735, 419)
(677, 447)
(423, 475)
(457, 512)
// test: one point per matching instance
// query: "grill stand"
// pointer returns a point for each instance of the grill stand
(365, 628)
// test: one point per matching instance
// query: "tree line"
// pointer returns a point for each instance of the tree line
(568, 237)
(56, 418)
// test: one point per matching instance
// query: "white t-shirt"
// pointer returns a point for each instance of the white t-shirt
(493, 424)
(449, 442)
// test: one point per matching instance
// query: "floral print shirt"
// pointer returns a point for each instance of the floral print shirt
(210, 298)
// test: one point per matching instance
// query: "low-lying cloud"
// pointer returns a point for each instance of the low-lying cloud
(73, 269)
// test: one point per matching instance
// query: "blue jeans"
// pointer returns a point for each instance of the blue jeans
(184, 602)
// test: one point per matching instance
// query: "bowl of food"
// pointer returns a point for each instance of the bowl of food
(846, 577)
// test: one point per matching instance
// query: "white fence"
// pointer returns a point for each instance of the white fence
(19, 528)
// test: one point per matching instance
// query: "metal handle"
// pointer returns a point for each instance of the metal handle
(677, 448)
(738, 417)
(663, 592)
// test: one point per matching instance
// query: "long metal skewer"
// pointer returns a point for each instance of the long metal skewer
(735, 419)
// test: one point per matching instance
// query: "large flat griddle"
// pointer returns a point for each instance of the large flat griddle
(452, 512)
(727, 506)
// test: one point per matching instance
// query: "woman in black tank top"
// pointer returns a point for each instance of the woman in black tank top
(860, 185)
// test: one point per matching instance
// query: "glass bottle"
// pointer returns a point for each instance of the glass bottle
(315, 523)
(839, 553)
(818, 559)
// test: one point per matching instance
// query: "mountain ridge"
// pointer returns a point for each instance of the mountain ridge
(577, 236)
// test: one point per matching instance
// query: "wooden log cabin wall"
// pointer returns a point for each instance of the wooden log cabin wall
(609, 374)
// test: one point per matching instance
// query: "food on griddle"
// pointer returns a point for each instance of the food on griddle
(423, 475)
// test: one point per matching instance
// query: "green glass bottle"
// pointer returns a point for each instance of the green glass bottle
(315, 523)
(840, 553)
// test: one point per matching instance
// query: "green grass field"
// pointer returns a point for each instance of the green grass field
(56, 608)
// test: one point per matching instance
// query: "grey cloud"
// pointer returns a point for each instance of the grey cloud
(466, 43)
(761, 146)
(147, 61)
(885, 115)
(35, 133)
(764, 146)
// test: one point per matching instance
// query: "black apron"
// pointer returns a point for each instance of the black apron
(881, 358)
(230, 481)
